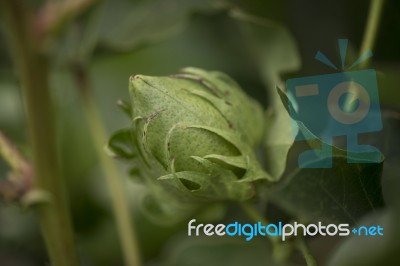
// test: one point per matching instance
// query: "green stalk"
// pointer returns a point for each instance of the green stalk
(120, 205)
(368, 42)
(280, 251)
(254, 216)
(371, 30)
(32, 68)
(303, 247)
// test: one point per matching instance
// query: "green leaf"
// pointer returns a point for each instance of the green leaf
(275, 53)
(388, 142)
(343, 193)
(379, 250)
(315, 142)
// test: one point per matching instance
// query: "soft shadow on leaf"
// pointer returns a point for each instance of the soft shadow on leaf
(134, 23)
(275, 53)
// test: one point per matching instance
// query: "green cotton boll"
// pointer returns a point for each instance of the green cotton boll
(244, 113)
(164, 110)
(200, 129)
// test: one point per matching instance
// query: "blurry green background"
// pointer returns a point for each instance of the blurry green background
(202, 37)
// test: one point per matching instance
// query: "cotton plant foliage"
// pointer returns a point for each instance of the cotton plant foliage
(194, 135)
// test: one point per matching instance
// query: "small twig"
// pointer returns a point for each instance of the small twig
(371, 29)
(20, 177)
(55, 14)
(15, 159)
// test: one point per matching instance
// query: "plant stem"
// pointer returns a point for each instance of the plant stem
(302, 245)
(32, 68)
(374, 17)
(279, 250)
(368, 43)
(117, 192)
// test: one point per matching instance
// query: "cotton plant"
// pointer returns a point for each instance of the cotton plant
(194, 135)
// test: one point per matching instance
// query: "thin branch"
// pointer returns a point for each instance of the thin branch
(371, 29)
(20, 177)
(368, 43)
(121, 210)
(55, 14)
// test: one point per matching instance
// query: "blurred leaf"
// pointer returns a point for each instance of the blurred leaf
(222, 251)
(274, 47)
(127, 26)
(81, 37)
(275, 53)
(121, 144)
(372, 250)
